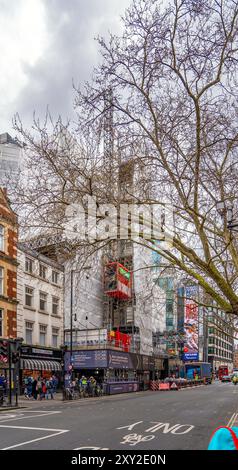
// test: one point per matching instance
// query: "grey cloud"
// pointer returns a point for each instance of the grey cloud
(71, 55)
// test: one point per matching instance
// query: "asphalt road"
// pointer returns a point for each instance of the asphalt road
(138, 421)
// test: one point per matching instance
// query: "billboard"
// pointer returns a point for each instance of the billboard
(191, 323)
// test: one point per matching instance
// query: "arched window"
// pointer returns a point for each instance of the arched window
(1, 238)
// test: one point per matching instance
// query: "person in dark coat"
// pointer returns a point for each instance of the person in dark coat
(34, 389)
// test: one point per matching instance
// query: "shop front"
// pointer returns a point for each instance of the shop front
(38, 362)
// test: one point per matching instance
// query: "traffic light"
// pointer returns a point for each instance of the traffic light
(15, 357)
(3, 351)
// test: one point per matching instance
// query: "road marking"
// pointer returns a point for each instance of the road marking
(22, 416)
(7, 417)
(56, 432)
(91, 448)
(31, 428)
(232, 420)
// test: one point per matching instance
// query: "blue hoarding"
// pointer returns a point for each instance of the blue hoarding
(89, 359)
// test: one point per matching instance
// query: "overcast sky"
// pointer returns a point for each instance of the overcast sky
(45, 44)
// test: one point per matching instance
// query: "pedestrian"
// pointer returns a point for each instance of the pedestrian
(25, 383)
(39, 387)
(34, 389)
(29, 388)
(55, 382)
(93, 386)
(44, 388)
(49, 389)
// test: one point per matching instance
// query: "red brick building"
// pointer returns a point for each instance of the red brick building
(8, 268)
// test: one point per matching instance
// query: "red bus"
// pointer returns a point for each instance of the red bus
(223, 370)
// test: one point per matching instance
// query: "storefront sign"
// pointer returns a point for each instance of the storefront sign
(46, 352)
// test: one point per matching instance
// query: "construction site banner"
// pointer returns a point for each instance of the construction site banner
(191, 312)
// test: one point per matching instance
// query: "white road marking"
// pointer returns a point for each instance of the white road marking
(22, 416)
(31, 428)
(7, 417)
(56, 433)
(232, 420)
(92, 448)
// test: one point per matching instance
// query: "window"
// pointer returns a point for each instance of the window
(1, 238)
(55, 306)
(1, 322)
(43, 301)
(43, 331)
(55, 277)
(43, 271)
(29, 263)
(29, 330)
(29, 295)
(55, 334)
(1, 281)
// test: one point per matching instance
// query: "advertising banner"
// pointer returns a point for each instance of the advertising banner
(117, 360)
(89, 359)
(191, 323)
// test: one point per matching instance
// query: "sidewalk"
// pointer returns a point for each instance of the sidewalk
(58, 397)
(25, 402)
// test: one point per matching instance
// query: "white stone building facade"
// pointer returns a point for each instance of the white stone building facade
(40, 310)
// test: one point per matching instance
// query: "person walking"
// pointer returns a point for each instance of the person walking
(29, 388)
(49, 389)
(55, 382)
(34, 389)
(93, 386)
(44, 388)
(39, 387)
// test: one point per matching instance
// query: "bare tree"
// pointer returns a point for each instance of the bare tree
(173, 79)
